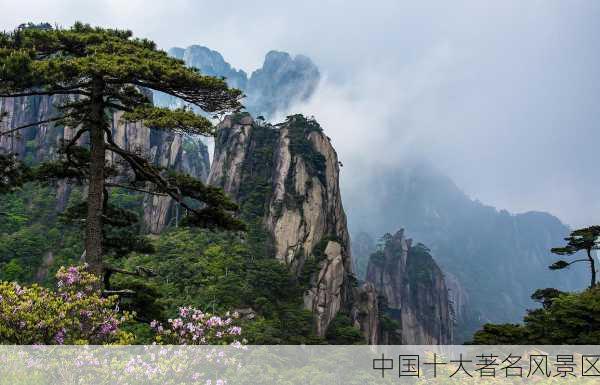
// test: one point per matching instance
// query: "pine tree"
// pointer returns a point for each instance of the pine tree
(94, 73)
(586, 239)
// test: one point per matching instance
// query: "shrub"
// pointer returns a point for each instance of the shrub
(75, 313)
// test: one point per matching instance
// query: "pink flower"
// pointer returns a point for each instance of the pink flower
(18, 289)
(177, 323)
(198, 315)
(184, 311)
(60, 336)
(214, 321)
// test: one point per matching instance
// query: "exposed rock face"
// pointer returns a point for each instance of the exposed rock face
(415, 291)
(366, 312)
(281, 81)
(33, 143)
(287, 177)
(39, 143)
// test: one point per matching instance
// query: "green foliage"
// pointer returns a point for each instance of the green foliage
(378, 257)
(566, 318)
(255, 187)
(74, 314)
(581, 239)
(391, 328)
(32, 242)
(66, 59)
(216, 272)
(341, 331)
(586, 239)
(300, 128)
(13, 271)
(182, 120)
(546, 296)
(504, 334)
(420, 266)
(12, 173)
(301, 147)
(389, 324)
(313, 262)
(121, 232)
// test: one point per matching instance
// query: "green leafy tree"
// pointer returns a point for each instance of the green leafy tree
(586, 239)
(94, 73)
(565, 318)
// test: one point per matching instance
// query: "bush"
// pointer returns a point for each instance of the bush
(74, 314)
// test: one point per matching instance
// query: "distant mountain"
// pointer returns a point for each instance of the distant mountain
(210, 63)
(281, 81)
(493, 260)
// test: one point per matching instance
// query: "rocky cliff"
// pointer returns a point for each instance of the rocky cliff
(415, 292)
(38, 143)
(286, 177)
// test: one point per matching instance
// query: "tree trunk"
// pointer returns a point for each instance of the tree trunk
(95, 201)
(592, 267)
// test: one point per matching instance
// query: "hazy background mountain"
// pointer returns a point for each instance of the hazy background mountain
(283, 80)
(493, 260)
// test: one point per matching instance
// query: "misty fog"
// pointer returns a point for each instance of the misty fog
(501, 97)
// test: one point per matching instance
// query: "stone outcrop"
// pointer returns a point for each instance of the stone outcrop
(287, 177)
(415, 291)
(39, 143)
(366, 312)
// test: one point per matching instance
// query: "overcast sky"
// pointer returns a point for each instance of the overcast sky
(502, 96)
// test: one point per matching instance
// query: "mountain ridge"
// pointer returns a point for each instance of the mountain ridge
(282, 80)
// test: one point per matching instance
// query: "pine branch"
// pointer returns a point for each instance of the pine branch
(136, 189)
(54, 119)
(117, 107)
(124, 292)
(140, 271)
(46, 93)
(141, 166)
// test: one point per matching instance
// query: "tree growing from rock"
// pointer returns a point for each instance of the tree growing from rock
(94, 73)
(587, 239)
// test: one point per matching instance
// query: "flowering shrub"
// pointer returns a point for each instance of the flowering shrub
(193, 327)
(75, 313)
